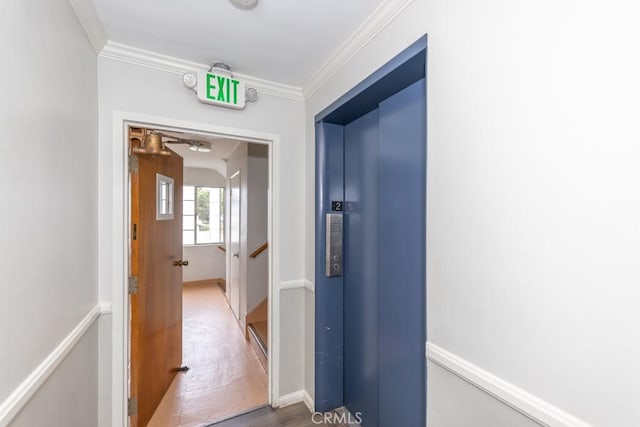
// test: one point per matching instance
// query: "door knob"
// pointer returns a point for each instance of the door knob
(180, 263)
(236, 254)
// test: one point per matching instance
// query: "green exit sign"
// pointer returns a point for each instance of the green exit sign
(220, 90)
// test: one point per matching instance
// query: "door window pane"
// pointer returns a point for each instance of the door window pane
(164, 197)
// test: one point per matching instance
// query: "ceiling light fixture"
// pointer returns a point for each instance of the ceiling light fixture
(194, 145)
(244, 4)
(190, 80)
(200, 146)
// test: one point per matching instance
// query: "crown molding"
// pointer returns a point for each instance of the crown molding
(157, 61)
(88, 17)
(269, 87)
(379, 19)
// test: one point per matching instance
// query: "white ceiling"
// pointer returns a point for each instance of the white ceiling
(221, 149)
(284, 41)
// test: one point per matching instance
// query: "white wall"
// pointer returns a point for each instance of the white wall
(205, 261)
(292, 314)
(533, 200)
(252, 160)
(104, 371)
(257, 218)
(471, 406)
(203, 177)
(69, 397)
(48, 182)
(309, 341)
(133, 88)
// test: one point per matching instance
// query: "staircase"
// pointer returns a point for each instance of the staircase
(256, 331)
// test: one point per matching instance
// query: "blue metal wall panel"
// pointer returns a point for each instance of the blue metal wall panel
(395, 74)
(360, 272)
(328, 290)
(401, 264)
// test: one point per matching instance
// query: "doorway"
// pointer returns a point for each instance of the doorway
(370, 271)
(234, 242)
(121, 386)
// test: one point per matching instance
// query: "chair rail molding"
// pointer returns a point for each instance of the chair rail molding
(286, 285)
(30, 386)
(520, 400)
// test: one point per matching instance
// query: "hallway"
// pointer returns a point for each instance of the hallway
(529, 252)
(224, 377)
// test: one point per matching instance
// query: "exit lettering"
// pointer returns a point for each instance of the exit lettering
(222, 89)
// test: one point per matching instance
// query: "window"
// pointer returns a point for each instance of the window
(164, 197)
(203, 215)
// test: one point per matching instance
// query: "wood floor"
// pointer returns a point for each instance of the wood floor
(225, 376)
(291, 416)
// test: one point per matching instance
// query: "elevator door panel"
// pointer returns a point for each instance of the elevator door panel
(402, 257)
(360, 272)
(384, 270)
(371, 321)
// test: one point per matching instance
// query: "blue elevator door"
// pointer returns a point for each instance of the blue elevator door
(402, 258)
(360, 268)
(384, 262)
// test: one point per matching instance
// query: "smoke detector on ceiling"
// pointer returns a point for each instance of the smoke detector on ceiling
(244, 4)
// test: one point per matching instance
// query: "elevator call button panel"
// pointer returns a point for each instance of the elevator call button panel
(334, 245)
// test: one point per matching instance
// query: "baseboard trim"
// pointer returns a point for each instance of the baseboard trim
(25, 391)
(306, 398)
(513, 396)
(204, 282)
(291, 398)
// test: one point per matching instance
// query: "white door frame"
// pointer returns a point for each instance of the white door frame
(120, 247)
(230, 296)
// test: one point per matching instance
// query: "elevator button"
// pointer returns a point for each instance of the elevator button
(333, 255)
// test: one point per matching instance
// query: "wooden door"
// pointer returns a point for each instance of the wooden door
(234, 244)
(156, 307)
